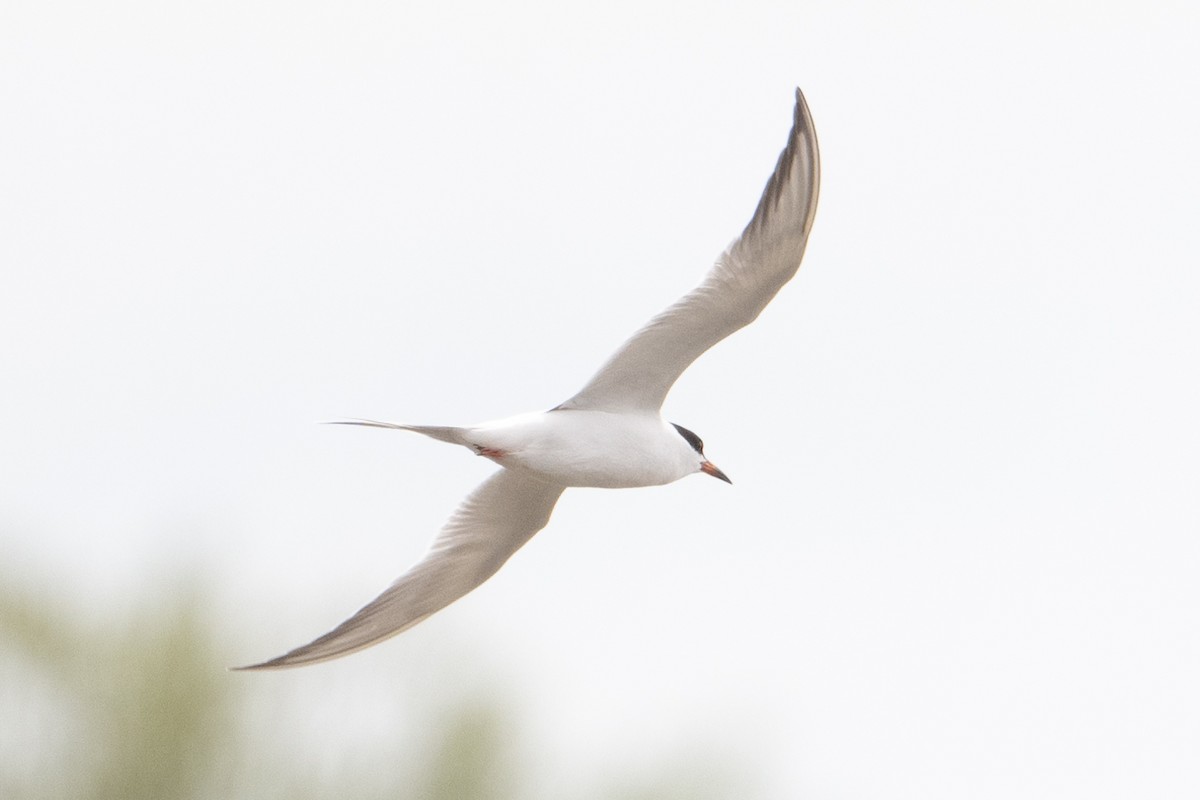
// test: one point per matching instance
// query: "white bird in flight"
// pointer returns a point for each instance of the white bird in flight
(611, 434)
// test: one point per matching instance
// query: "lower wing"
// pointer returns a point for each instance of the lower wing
(492, 523)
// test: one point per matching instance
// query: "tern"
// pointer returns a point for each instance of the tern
(611, 434)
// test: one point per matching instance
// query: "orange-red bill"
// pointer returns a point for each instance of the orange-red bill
(709, 468)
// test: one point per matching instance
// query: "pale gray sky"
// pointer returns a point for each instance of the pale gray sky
(960, 555)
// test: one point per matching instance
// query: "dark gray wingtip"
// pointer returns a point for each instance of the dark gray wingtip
(304, 655)
(802, 117)
(274, 663)
(279, 662)
(778, 231)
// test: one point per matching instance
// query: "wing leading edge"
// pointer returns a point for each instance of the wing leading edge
(738, 287)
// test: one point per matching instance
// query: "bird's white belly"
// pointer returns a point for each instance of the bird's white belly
(586, 448)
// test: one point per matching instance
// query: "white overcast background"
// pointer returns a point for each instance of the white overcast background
(960, 556)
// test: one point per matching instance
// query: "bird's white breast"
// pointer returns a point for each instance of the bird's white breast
(590, 448)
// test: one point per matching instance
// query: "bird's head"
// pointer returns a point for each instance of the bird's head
(703, 464)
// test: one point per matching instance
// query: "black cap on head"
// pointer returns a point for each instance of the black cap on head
(692, 438)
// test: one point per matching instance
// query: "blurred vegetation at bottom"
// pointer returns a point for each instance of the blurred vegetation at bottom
(142, 709)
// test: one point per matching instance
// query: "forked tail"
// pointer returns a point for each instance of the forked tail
(439, 432)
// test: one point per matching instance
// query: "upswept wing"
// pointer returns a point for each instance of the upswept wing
(738, 287)
(495, 520)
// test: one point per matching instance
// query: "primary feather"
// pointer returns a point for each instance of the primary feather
(737, 288)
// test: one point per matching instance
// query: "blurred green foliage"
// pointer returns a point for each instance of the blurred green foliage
(141, 708)
(149, 715)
